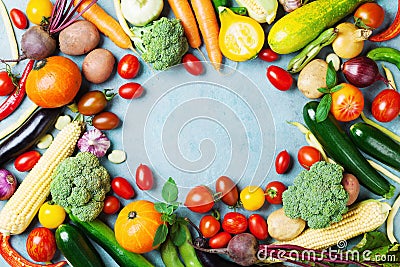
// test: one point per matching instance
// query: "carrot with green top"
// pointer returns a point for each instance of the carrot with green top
(208, 24)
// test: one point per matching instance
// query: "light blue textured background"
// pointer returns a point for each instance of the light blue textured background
(198, 128)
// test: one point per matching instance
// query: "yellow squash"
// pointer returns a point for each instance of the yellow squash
(240, 37)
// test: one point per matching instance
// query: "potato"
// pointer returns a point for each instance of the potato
(79, 38)
(283, 228)
(352, 186)
(312, 77)
(98, 65)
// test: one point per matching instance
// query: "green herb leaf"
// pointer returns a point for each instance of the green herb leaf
(336, 88)
(323, 108)
(170, 191)
(179, 236)
(331, 78)
(324, 90)
(168, 218)
(161, 235)
(161, 207)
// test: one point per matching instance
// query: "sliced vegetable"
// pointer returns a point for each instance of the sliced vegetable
(349, 42)
(10, 32)
(117, 156)
(332, 57)
(62, 121)
(8, 184)
(140, 13)
(95, 142)
(391, 32)
(261, 11)
(311, 50)
(45, 141)
(36, 185)
(340, 147)
(376, 144)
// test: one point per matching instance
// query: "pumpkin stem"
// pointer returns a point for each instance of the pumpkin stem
(132, 215)
(40, 64)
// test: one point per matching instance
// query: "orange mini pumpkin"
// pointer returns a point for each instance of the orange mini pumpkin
(53, 82)
(136, 226)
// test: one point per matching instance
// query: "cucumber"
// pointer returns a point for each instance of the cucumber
(376, 144)
(104, 236)
(298, 28)
(342, 150)
(76, 247)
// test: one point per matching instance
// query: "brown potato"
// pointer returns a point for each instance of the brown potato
(79, 38)
(312, 77)
(98, 65)
(283, 228)
(352, 186)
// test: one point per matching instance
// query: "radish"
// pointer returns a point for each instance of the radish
(39, 42)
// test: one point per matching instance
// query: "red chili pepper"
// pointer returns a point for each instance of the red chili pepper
(12, 257)
(15, 99)
(391, 32)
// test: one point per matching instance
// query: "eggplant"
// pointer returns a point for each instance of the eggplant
(28, 134)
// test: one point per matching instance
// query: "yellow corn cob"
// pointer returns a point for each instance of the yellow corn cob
(363, 217)
(22, 207)
(260, 10)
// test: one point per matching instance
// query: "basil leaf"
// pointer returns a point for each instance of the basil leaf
(324, 90)
(170, 191)
(336, 88)
(161, 207)
(323, 108)
(331, 78)
(179, 236)
(161, 235)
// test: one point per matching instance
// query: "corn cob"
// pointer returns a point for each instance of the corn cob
(260, 10)
(22, 207)
(362, 217)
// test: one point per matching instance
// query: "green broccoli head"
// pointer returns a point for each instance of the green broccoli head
(80, 184)
(162, 43)
(317, 195)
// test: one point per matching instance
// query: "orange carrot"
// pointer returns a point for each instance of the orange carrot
(208, 24)
(105, 23)
(183, 11)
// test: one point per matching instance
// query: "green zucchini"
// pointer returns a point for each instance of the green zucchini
(104, 236)
(76, 247)
(342, 150)
(298, 28)
(376, 144)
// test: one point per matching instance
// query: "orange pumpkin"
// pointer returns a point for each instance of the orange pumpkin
(53, 82)
(136, 226)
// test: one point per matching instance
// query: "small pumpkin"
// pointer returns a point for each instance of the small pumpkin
(53, 82)
(136, 226)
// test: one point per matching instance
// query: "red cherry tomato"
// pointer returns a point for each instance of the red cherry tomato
(280, 78)
(200, 199)
(258, 226)
(209, 226)
(371, 14)
(105, 121)
(273, 192)
(228, 190)
(220, 240)
(26, 161)
(267, 54)
(386, 105)
(111, 205)
(6, 84)
(92, 103)
(308, 155)
(41, 244)
(128, 66)
(282, 162)
(18, 18)
(130, 90)
(192, 64)
(122, 188)
(234, 223)
(144, 177)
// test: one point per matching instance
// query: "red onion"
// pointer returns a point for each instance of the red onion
(8, 184)
(362, 71)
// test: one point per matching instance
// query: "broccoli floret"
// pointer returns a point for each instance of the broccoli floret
(162, 42)
(317, 195)
(80, 184)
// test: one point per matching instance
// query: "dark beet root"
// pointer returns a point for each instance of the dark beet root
(37, 44)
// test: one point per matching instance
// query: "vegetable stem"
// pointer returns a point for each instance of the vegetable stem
(11, 35)
(390, 220)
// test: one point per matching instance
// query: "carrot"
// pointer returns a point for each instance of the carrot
(183, 12)
(105, 23)
(208, 24)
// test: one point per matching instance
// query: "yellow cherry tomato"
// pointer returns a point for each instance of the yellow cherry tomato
(51, 215)
(252, 197)
(240, 37)
(37, 9)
